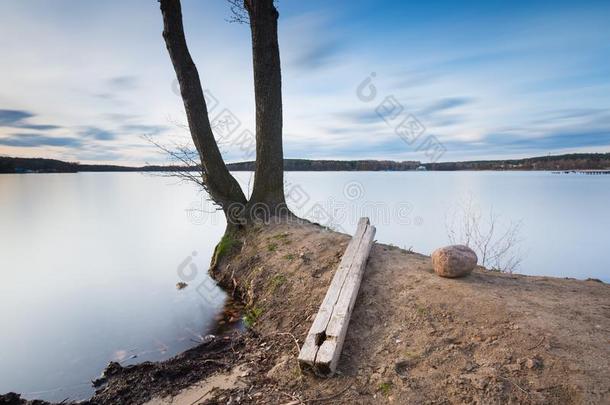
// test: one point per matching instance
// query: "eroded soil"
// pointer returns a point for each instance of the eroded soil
(414, 337)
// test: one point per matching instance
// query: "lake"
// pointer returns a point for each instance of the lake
(89, 262)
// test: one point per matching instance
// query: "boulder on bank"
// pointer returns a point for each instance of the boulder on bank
(454, 261)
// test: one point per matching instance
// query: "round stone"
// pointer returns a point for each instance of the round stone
(454, 261)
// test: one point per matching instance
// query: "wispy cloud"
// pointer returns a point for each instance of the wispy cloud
(550, 141)
(361, 116)
(446, 104)
(28, 140)
(310, 51)
(487, 81)
(97, 133)
(144, 129)
(123, 82)
(317, 55)
(11, 118)
(19, 119)
(120, 117)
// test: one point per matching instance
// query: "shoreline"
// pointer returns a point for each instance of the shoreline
(140, 170)
(414, 337)
(560, 163)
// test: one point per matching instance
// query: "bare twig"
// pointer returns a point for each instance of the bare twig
(184, 164)
(222, 363)
(296, 342)
(296, 400)
(239, 14)
(465, 225)
(515, 384)
(537, 344)
(328, 398)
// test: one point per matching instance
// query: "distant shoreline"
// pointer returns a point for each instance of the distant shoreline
(567, 162)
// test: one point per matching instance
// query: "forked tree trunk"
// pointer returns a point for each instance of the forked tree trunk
(220, 184)
(269, 176)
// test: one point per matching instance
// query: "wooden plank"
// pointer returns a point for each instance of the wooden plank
(322, 347)
(330, 350)
(317, 331)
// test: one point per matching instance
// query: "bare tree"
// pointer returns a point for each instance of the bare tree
(220, 184)
(495, 245)
(184, 161)
(269, 174)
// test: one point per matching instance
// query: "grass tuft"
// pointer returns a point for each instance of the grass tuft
(421, 310)
(227, 242)
(385, 388)
(277, 281)
(252, 315)
(281, 236)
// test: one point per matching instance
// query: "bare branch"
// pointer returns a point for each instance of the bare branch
(222, 187)
(239, 14)
(464, 224)
(183, 164)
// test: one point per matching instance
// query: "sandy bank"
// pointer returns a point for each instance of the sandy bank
(413, 338)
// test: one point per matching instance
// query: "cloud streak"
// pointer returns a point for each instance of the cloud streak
(127, 82)
(446, 104)
(487, 81)
(97, 134)
(142, 129)
(11, 118)
(19, 119)
(28, 140)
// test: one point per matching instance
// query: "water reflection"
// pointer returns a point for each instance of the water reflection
(88, 267)
(89, 262)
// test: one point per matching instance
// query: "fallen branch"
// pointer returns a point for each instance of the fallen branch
(515, 384)
(328, 398)
(538, 344)
(296, 342)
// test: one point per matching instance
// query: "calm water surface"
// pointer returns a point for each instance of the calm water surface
(565, 218)
(88, 267)
(89, 261)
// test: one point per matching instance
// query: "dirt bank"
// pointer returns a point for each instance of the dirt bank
(414, 337)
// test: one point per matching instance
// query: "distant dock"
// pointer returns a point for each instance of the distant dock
(589, 172)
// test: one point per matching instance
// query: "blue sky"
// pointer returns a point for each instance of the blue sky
(85, 80)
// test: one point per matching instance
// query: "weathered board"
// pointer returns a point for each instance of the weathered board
(323, 344)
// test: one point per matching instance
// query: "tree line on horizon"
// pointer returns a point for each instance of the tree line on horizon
(575, 161)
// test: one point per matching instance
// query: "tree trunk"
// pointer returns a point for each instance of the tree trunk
(220, 184)
(269, 176)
